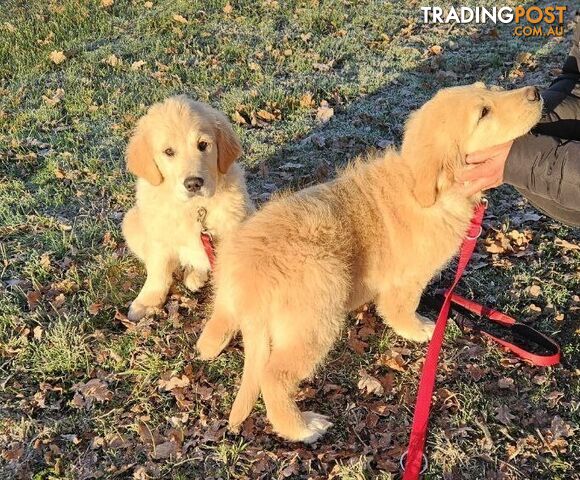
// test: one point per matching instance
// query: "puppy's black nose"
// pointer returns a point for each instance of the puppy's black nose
(193, 184)
(533, 94)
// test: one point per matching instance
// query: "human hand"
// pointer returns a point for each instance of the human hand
(484, 169)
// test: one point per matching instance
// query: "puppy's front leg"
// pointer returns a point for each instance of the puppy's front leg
(159, 275)
(194, 279)
(398, 305)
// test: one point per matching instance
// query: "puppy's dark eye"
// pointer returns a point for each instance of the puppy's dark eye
(484, 112)
(201, 145)
(169, 152)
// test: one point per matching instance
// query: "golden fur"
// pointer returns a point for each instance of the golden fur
(162, 228)
(378, 233)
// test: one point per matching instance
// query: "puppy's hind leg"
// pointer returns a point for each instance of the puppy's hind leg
(217, 333)
(284, 371)
(256, 353)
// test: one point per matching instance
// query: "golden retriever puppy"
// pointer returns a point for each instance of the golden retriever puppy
(183, 154)
(378, 232)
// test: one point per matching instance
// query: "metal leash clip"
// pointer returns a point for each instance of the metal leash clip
(201, 215)
(424, 463)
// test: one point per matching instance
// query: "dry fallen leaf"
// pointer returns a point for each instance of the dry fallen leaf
(566, 245)
(506, 382)
(228, 8)
(55, 97)
(180, 19)
(95, 389)
(503, 415)
(113, 60)
(307, 100)
(33, 297)
(238, 118)
(324, 112)
(57, 56)
(138, 64)
(164, 450)
(174, 382)
(534, 290)
(265, 115)
(559, 428)
(369, 384)
(107, 3)
(393, 360)
(436, 49)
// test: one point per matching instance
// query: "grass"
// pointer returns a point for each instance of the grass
(67, 278)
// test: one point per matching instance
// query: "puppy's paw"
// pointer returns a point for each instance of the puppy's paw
(209, 347)
(137, 311)
(195, 279)
(317, 425)
(421, 330)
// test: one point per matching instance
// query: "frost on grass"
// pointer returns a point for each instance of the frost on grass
(63, 349)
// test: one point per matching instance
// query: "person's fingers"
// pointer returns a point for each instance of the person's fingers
(478, 157)
(489, 153)
(472, 172)
(476, 186)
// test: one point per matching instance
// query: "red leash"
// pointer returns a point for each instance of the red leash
(206, 237)
(412, 459)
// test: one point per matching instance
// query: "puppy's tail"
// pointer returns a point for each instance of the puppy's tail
(256, 354)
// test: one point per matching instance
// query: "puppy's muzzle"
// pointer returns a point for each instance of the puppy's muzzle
(193, 184)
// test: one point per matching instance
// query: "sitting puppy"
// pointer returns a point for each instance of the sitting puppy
(379, 232)
(183, 153)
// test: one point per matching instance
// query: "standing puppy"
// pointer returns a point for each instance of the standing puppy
(183, 153)
(378, 233)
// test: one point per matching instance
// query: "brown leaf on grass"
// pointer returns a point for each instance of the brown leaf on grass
(180, 19)
(37, 332)
(566, 245)
(165, 450)
(476, 372)
(94, 389)
(107, 3)
(355, 344)
(138, 64)
(13, 453)
(57, 56)
(324, 112)
(113, 60)
(265, 115)
(95, 308)
(559, 428)
(436, 50)
(506, 383)
(392, 359)
(307, 100)
(534, 291)
(503, 415)
(173, 382)
(228, 8)
(238, 118)
(58, 301)
(369, 384)
(55, 97)
(32, 298)
(78, 401)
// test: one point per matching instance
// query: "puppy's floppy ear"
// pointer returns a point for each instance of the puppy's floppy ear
(140, 161)
(228, 144)
(429, 154)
